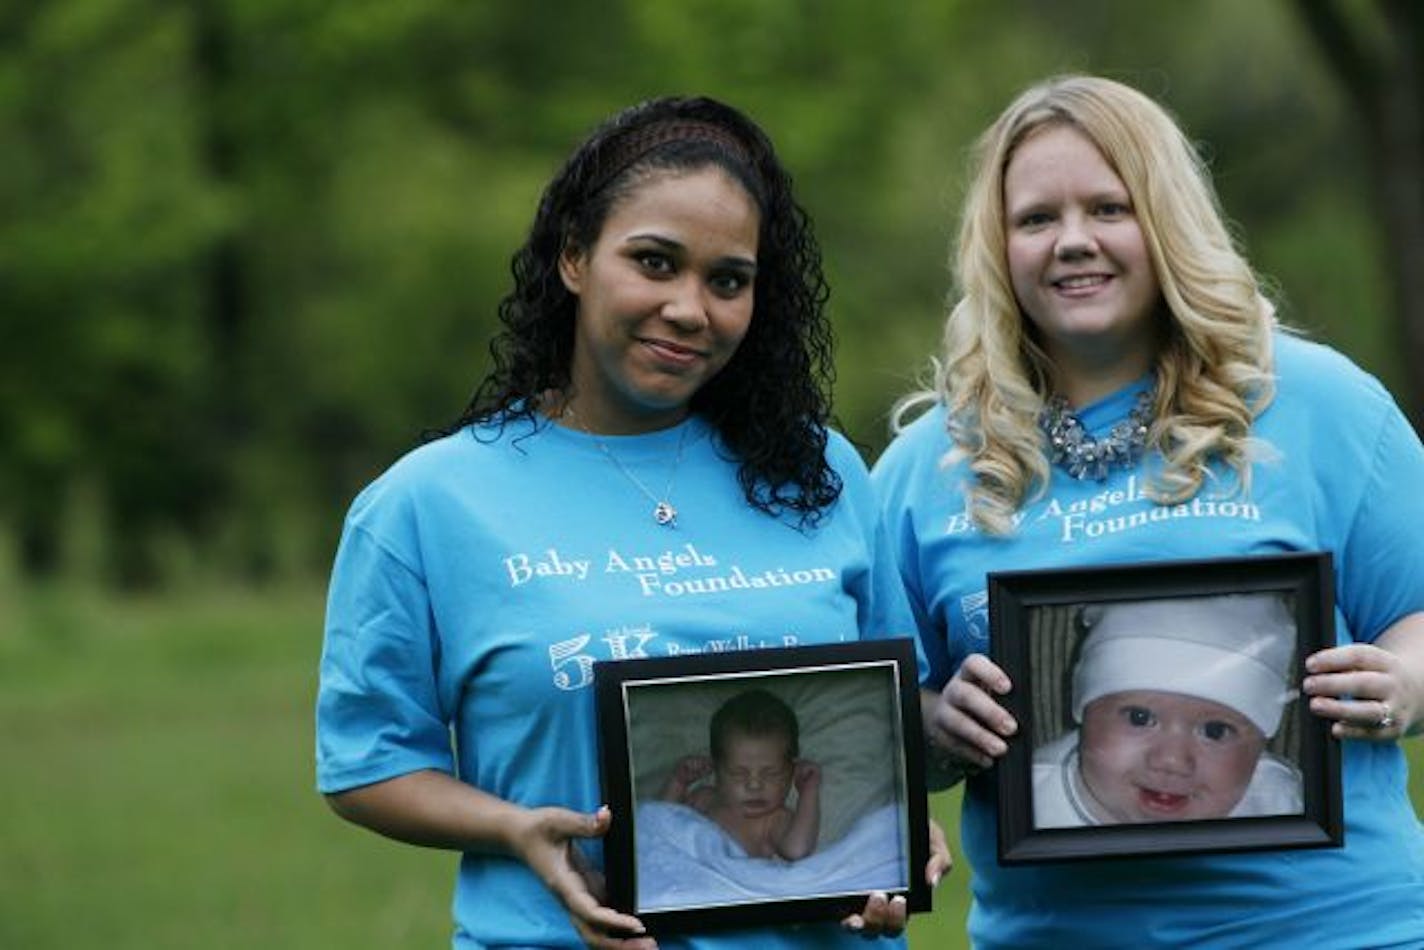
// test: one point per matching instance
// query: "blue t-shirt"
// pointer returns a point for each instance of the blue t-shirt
(480, 578)
(1346, 477)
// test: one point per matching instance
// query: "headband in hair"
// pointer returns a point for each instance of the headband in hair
(631, 147)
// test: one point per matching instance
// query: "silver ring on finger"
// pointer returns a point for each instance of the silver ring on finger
(1386, 718)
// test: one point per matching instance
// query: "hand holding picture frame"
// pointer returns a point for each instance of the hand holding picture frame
(1159, 708)
(763, 786)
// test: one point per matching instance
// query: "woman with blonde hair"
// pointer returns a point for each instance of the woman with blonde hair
(1114, 388)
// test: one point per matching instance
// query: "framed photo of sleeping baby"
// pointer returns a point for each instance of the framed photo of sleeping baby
(757, 787)
(1160, 710)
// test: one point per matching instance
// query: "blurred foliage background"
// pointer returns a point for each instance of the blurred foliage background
(249, 249)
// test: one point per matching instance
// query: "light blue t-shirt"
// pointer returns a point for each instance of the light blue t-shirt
(1348, 478)
(480, 578)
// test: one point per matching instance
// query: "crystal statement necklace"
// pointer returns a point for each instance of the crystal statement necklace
(663, 511)
(1082, 456)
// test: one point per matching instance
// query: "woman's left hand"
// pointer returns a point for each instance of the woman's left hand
(886, 917)
(1373, 692)
(941, 861)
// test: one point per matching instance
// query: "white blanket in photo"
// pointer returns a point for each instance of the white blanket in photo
(686, 860)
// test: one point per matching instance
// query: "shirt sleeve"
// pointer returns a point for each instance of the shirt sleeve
(883, 607)
(378, 712)
(1381, 564)
(893, 480)
(899, 617)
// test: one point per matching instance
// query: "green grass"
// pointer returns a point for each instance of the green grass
(158, 787)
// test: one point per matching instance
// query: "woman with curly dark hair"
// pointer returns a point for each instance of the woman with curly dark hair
(769, 404)
(647, 470)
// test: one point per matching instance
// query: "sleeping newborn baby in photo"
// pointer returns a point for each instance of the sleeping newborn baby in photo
(755, 743)
(725, 829)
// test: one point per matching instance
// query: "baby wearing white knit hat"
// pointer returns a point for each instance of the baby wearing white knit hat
(1175, 698)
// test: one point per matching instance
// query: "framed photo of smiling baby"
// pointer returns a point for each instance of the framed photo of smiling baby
(762, 787)
(1159, 708)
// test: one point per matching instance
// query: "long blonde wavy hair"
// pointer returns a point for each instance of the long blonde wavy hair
(1213, 368)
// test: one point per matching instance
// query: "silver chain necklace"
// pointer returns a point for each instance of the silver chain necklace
(1082, 456)
(663, 511)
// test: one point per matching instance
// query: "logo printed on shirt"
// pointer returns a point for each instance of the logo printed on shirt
(573, 666)
(523, 568)
(1089, 519)
(685, 571)
(975, 609)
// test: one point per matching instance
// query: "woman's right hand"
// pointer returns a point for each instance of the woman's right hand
(543, 839)
(965, 720)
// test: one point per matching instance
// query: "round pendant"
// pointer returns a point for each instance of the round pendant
(664, 514)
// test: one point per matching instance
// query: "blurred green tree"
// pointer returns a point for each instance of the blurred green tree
(105, 214)
(249, 249)
(1376, 53)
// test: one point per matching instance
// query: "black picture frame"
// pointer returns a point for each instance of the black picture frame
(1036, 620)
(858, 707)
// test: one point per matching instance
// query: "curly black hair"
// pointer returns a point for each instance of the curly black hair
(770, 404)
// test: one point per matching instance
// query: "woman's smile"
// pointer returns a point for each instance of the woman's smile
(664, 299)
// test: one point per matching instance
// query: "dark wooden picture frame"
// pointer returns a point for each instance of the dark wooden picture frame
(858, 709)
(1037, 621)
